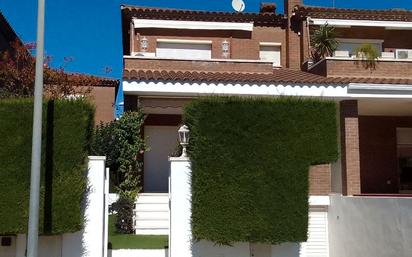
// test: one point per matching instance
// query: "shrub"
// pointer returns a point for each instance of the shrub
(250, 161)
(122, 144)
(124, 219)
(67, 129)
(368, 53)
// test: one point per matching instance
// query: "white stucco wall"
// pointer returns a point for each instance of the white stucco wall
(87, 243)
(94, 235)
(72, 245)
(370, 227)
(209, 249)
(180, 241)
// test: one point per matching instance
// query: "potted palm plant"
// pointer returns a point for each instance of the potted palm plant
(324, 42)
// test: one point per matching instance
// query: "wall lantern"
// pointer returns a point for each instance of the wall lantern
(225, 48)
(144, 44)
(184, 138)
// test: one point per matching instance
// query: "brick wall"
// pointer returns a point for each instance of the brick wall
(103, 98)
(293, 39)
(320, 180)
(215, 66)
(383, 69)
(244, 44)
(350, 147)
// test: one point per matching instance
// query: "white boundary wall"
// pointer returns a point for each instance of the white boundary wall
(92, 241)
(180, 240)
(94, 235)
(370, 226)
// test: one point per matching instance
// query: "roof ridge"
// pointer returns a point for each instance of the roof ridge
(395, 10)
(13, 33)
(197, 11)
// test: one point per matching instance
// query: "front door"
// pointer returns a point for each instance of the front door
(162, 141)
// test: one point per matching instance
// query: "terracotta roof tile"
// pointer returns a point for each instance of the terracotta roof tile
(353, 14)
(278, 76)
(260, 19)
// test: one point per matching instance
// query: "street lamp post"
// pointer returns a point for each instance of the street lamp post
(33, 231)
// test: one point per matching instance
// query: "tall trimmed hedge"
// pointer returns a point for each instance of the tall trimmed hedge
(250, 161)
(67, 130)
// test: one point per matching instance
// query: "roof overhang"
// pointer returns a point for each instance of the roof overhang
(391, 89)
(194, 25)
(401, 25)
(331, 91)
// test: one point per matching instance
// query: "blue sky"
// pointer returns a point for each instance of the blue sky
(89, 30)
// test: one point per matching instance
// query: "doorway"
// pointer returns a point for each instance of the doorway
(162, 141)
(404, 154)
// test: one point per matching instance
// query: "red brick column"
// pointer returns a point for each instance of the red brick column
(349, 125)
(320, 180)
(293, 40)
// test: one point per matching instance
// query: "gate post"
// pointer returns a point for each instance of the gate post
(180, 235)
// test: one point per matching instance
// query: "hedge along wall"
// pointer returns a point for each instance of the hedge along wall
(67, 128)
(250, 161)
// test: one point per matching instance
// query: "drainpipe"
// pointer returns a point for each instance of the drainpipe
(308, 20)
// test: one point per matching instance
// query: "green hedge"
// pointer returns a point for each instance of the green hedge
(67, 128)
(250, 160)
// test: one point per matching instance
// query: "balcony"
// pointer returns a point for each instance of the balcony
(390, 65)
(211, 65)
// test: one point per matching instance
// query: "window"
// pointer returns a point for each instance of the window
(270, 52)
(349, 45)
(184, 49)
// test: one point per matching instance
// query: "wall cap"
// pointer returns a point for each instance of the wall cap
(179, 159)
(97, 158)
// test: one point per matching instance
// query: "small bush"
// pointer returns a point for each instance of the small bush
(250, 160)
(124, 221)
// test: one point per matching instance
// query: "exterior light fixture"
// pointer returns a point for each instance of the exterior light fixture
(225, 48)
(144, 44)
(184, 138)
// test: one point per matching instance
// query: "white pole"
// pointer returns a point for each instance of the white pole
(33, 231)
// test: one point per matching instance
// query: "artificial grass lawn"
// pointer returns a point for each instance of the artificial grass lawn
(124, 241)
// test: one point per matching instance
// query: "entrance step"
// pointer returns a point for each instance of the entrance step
(152, 214)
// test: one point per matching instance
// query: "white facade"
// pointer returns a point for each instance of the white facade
(92, 240)
(370, 226)
(335, 91)
(180, 241)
